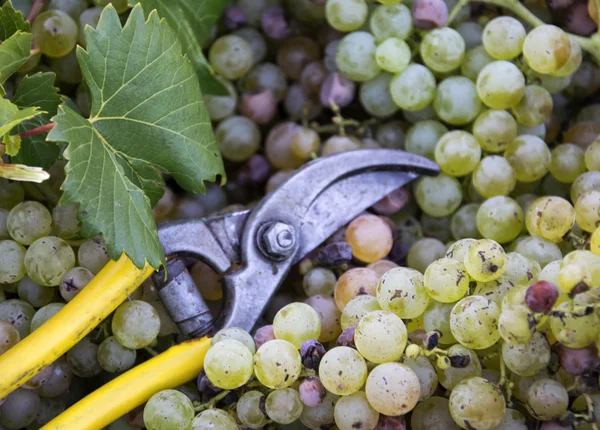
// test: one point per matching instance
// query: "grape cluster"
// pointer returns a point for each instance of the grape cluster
(468, 300)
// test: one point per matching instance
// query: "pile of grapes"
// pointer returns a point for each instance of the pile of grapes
(468, 300)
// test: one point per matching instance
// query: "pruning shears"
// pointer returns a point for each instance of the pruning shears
(253, 250)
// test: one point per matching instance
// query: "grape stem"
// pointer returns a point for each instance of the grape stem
(589, 44)
(504, 381)
(212, 402)
(35, 9)
(38, 130)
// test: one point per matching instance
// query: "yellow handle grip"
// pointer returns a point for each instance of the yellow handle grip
(177, 365)
(92, 305)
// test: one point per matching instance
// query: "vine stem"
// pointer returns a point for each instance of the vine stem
(38, 130)
(35, 9)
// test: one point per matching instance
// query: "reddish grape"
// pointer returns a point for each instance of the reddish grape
(312, 392)
(541, 296)
(337, 89)
(577, 361)
(429, 14)
(263, 335)
(260, 107)
(390, 423)
(275, 24)
(234, 17)
(393, 202)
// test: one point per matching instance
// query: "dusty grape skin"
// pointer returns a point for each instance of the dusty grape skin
(541, 296)
(312, 391)
(577, 361)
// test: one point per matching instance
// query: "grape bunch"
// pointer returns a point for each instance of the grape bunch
(467, 300)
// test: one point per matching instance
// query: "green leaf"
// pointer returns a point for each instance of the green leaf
(11, 21)
(147, 116)
(13, 53)
(193, 20)
(37, 90)
(12, 144)
(11, 116)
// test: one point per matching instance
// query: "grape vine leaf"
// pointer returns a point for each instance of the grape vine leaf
(11, 21)
(37, 90)
(14, 51)
(11, 116)
(147, 116)
(193, 20)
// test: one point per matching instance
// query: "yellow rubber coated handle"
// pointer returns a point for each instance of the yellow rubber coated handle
(92, 305)
(177, 365)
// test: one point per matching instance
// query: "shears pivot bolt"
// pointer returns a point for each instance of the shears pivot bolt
(277, 240)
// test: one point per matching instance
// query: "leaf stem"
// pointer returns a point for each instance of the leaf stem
(38, 130)
(35, 10)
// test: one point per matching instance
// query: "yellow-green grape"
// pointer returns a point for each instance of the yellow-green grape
(438, 196)
(452, 376)
(587, 211)
(248, 409)
(595, 242)
(343, 370)
(529, 156)
(355, 56)
(432, 414)
(494, 176)
(424, 252)
(357, 308)
(477, 403)
(494, 290)
(380, 337)
(413, 88)
(500, 85)
(168, 410)
(228, 364)
(474, 322)
(494, 130)
(393, 55)
(346, 15)
(475, 60)
(459, 249)
(216, 419)
(354, 411)
(573, 276)
(283, 406)
(456, 101)
(48, 259)
(547, 399)
(521, 269)
(423, 136)
(500, 218)
(230, 56)
(546, 49)
(592, 156)
(55, 33)
(12, 261)
(485, 260)
(426, 373)
(446, 280)
(437, 317)
(541, 250)
(550, 218)
(463, 224)
(44, 314)
(457, 153)
(515, 296)
(393, 20)
(516, 324)
(527, 359)
(503, 38)
(297, 323)
(572, 65)
(393, 389)
(442, 49)
(535, 107)
(28, 222)
(568, 162)
(586, 182)
(19, 314)
(550, 272)
(235, 333)
(574, 331)
(401, 291)
(522, 383)
(135, 324)
(277, 364)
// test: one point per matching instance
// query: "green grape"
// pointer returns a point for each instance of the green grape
(516, 325)
(213, 419)
(579, 267)
(238, 138)
(114, 357)
(357, 308)
(44, 314)
(168, 410)
(426, 373)
(529, 156)
(401, 291)
(413, 88)
(92, 255)
(222, 107)
(65, 222)
(437, 227)
(120, 5)
(442, 49)
(12, 261)
(539, 249)
(391, 21)
(550, 272)
(456, 100)
(537, 131)
(547, 399)
(452, 376)
(230, 56)
(277, 364)
(494, 176)
(474, 322)
(19, 409)
(494, 130)
(256, 41)
(546, 49)
(89, 17)
(500, 218)
(48, 259)
(135, 324)
(437, 317)
(446, 280)
(393, 55)
(11, 194)
(9, 336)
(73, 282)
(553, 84)
(342, 370)
(586, 182)
(432, 414)
(550, 218)
(3, 228)
(356, 56)
(475, 60)
(463, 223)
(346, 15)
(438, 196)
(34, 294)
(55, 33)
(477, 403)
(297, 323)
(375, 97)
(513, 420)
(592, 156)
(319, 281)
(19, 313)
(423, 136)
(67, 68)
(494, 290)
(485, 261)
(354, 411)
(567, 162)
(423, 252)
(521, 269)
(393, 389)
(228, 364)
(82, 359)
(283, 406)
(527, 359)
(574, 61)
(29, 221)
(319, 417)
(587, 211)
(471, 33)
(380, 337)
(574, 331)
(535, 107)
(248, 409)
(500, 85)
(235, 334)
(503, 38)
(425, 114)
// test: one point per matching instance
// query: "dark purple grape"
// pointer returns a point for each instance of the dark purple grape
(578, 20)
(275, 24)
(429, 14)
(335, 254)
(337, 89)
(577, 361)
(459, 361)
(311, 352)
(260, 107)
(234, 18)
(541, 296)
(255, 171)
(431, 340)
(390, 423)
(398, 253)
(263, 335)
(206, 388)
(347, 338)
(393, 202)
(312, 392)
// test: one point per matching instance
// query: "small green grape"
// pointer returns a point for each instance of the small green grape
(474, 322)
(442, 49)
(55, 33)
(438, 196)
(485, 261)
(500, 85)
(456, 101)
(168, 410)
(446, 280)
(500, 218)
(413, 88)
(458, 153)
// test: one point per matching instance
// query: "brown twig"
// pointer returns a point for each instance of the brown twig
(34, 131)
(35, 10)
